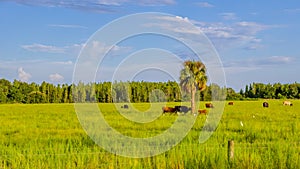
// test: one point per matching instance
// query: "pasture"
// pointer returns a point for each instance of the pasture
(50, 136)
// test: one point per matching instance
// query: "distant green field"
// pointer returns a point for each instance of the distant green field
(50, 136)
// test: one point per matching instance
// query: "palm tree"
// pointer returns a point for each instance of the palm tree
(193, 77)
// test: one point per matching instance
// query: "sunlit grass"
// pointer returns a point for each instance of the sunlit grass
(50, 136)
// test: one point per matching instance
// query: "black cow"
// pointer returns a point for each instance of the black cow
(183, 109)
(125, 106)
(230, 103)
(265, 104)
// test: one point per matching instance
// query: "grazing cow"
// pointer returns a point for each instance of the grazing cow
(287, 103)
(230, 103)
(183, 109)
(169, 110)
(202, 111)
(125, 106)
(209, 105)
(265, 104)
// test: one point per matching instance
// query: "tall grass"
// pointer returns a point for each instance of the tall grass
(50, 136)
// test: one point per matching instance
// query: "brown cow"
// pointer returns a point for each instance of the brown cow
(168, 110)
(202, 111)
(230, 103)
(209, 105)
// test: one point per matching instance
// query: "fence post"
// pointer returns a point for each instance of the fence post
(230, 150)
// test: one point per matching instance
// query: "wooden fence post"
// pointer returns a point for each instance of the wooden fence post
(230, 150)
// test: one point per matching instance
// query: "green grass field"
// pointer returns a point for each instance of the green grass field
(50, 136)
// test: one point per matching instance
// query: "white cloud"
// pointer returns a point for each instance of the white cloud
(204, 5)
(87, 5)
(238, 34)
(242, 34)
(254, 46)
(56, 77)
(238, 30)
(229, 16)
(23, 76)
(279, 60)
(255, 63)
(181, 18)
(96, 48)
(223, 35)
(67, 26)
(110, 2)
(295, 10)
(64, 63)
(43, 48)
(101, 6)
(251, 28)
(254, 13)
(176, 19)
(239, 69)
(75, 48)
(155, 2)
(36, 70)
(176, 24)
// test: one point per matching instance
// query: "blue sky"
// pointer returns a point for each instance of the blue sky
(257, 41)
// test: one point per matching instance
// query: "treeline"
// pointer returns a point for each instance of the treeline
(103, 92)
(271, 91)
(108, 92)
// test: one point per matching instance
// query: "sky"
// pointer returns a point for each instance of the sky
(43, 40)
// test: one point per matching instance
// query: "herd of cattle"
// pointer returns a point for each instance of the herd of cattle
(180, 109)
(185, 109)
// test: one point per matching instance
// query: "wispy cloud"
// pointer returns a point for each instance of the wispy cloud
(67, 26)
(259, 62)
(204, 5)
(238, 30)
(89, 5)
(43, 48)
(56, 77)
(254, 64)
(174, 24)
(276, 60)
(295, 10)
(253, 46)
(155, 2)
(229, 16)
(101, 6)
(23, 76)
(52, 49)
(63, 63)
(240, 34)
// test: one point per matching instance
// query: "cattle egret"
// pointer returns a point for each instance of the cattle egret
(241, 123)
